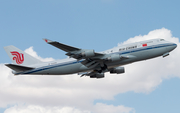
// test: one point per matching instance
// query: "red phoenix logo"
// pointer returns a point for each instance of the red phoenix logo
(19, 57)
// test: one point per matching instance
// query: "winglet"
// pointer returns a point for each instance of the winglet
(47, 40)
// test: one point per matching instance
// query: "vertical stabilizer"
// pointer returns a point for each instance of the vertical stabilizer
(19, 57)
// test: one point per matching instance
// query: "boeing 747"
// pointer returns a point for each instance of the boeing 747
(88, 62)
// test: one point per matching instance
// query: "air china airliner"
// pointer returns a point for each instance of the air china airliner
(88, 62)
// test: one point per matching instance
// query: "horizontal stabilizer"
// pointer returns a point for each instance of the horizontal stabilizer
(18, 68)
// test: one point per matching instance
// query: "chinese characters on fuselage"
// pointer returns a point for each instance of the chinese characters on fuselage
(127, 48)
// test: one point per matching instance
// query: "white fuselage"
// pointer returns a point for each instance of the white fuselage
(133, 52)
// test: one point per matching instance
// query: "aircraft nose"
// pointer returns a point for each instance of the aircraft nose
(171, 46)
(174, 46)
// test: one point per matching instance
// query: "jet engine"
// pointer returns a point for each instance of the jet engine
(88, 53)
(97, 75)
(118, 70)
(114, 57)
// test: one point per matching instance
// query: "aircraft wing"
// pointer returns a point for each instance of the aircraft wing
(91, 59)
(61, 46)
(74, 52)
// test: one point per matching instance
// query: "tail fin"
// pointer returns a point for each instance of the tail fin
(19, 57)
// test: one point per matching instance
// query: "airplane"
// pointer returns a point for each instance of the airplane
(87, 62)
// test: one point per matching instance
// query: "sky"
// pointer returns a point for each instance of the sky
(146, 87)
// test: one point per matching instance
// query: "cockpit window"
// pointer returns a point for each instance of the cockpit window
(161, 39)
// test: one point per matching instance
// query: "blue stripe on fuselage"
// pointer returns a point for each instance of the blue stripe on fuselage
(74, 62)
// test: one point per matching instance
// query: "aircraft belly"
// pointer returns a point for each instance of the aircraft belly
(62, 70)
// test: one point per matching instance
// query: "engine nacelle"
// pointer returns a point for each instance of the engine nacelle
(88, 53)
(97, 75)
(118, 70)
(114, 57)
